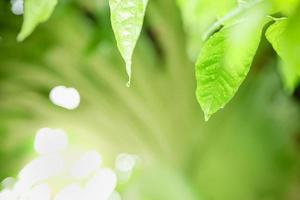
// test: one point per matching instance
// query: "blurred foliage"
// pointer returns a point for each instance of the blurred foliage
(226, 56)
(247, 151)
(35, 12)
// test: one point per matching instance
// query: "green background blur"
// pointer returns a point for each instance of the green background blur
(247, 151)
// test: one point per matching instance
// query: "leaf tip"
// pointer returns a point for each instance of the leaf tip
(207, 115)
(20, 38)
(206, 110)
(128, 70)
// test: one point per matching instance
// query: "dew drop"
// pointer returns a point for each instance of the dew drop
(128, 70)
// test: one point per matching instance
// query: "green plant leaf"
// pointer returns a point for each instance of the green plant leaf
(291, 42)
(197, 16)
(127, 18)
(35, 12)
(276, 36)
(289, 77)
(224, 62)
(285, 6)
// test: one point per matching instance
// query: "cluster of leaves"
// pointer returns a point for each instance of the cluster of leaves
(126, 18)
(226, 56)
(189, 159)
(227, 47)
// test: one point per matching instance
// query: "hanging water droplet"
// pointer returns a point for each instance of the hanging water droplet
(128, 70)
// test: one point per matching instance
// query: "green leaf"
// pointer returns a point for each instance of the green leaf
(289, 76)
(285, 6)
(127, 18)
(291, 42)
(276, 36)
(197, 16)
(36, 12)
(224, 62)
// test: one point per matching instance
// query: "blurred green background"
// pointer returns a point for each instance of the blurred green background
(247, 151)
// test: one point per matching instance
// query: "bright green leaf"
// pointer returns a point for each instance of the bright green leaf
(291, 41)
(285, 6)
(36, 12)
(198, 16)
(224, 62)
(127, 18)
(276, 36)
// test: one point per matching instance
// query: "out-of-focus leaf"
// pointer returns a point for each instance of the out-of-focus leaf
(198, 16)
(127, 18)
(224, 62)
(36, 12)
(289, 76)
(291, 41)
(285, 6)
(275, 35)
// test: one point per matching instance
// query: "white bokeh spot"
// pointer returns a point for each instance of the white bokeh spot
(70, 192)
(115, 196)
(17, 7)
(125, 162)
(51, 177)
(62, 96)
(87, 164)
(101, 186)
(49, 141)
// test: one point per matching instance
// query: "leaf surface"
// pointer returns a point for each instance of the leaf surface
(224, 62)
(127, 18)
